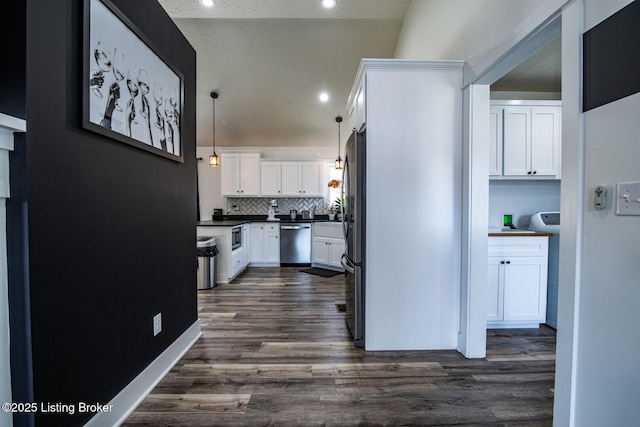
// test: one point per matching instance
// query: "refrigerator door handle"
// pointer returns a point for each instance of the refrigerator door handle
(347, 266)
(343, 206)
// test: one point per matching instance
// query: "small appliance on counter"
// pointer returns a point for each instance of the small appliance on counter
(217, 215)
(273, 204)
(293, 213)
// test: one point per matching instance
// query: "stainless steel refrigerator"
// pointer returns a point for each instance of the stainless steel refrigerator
(353, 224)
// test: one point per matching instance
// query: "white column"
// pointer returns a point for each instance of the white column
(8, 125)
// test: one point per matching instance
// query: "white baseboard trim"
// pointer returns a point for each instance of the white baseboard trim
(134, 393)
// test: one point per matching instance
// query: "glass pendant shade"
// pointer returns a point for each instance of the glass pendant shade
(339, 163)
(214, 160)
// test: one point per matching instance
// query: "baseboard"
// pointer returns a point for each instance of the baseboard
(513, 325)
(134, 393)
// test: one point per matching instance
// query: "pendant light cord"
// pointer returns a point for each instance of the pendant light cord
(214, 95)
(214, 161)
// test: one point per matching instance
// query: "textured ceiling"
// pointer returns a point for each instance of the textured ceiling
(540, 73)
(270, 59)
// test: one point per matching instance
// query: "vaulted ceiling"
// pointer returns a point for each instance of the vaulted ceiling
(270, 59)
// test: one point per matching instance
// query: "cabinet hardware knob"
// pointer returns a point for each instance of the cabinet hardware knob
(501, 262)
(535, 172)
(508, 262)
(529, 173)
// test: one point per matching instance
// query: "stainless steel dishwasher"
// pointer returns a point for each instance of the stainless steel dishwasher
(295, 244)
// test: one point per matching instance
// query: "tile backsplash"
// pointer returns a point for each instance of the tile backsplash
(260, 205)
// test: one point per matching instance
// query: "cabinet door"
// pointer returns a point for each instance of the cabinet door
(230, 171)
(493, 292)
(270, 179)
(495, 141)
(246, 243)
(525, 282)
(545, 140)
(516, 142)
(272, 246)
(291, 177)
(312, 178)
(238, 261)
(250, 174)
(257, 242)
(321, 250)
(336, 249)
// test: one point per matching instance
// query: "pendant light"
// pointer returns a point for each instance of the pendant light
(214, 160)
(339, 159)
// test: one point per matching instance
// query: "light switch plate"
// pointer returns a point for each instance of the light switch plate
(628, 200)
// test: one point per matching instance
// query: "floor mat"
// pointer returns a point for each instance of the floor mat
(321, 272)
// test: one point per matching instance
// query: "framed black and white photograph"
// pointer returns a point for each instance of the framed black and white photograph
(130, 93)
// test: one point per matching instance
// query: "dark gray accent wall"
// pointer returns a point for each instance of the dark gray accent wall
(111, 228)
(13, 53)
(612, 58)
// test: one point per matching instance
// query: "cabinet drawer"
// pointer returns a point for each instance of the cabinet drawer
(518, 246)
(332, 230)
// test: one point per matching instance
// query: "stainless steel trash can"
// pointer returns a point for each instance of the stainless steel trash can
(207, 251)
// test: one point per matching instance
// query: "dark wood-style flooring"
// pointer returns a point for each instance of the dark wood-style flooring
(275, 352)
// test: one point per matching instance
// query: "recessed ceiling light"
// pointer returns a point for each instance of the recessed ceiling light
(328, 4)
(324, 97)
(207, 3)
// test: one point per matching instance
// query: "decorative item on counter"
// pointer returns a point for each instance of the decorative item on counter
(334, 183)
(273, 204)
(338, 206)
(332, 214)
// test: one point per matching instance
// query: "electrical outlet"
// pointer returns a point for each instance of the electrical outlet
(157, 324)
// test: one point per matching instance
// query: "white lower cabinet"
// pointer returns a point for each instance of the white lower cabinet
(237, 257)
(229, 262)
(328, 246)
(516, 293)
(265, 244)
(246, 245)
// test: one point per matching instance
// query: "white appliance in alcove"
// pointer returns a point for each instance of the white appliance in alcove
(549, 222)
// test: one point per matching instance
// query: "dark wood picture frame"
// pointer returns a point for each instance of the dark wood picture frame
(130, 93)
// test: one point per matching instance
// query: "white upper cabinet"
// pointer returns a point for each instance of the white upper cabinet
(525, 141)
(240, 174)
(495, 141)
(545, 140)
(357, 109)
(288, 179)
(270, 178)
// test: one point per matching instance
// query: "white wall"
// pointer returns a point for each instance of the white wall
(597, 368)
(609, 315)
(209, 178)
(522, 199)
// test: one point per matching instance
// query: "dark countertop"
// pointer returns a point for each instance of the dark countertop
(234, 220)
(516, 233)
(223, 223)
